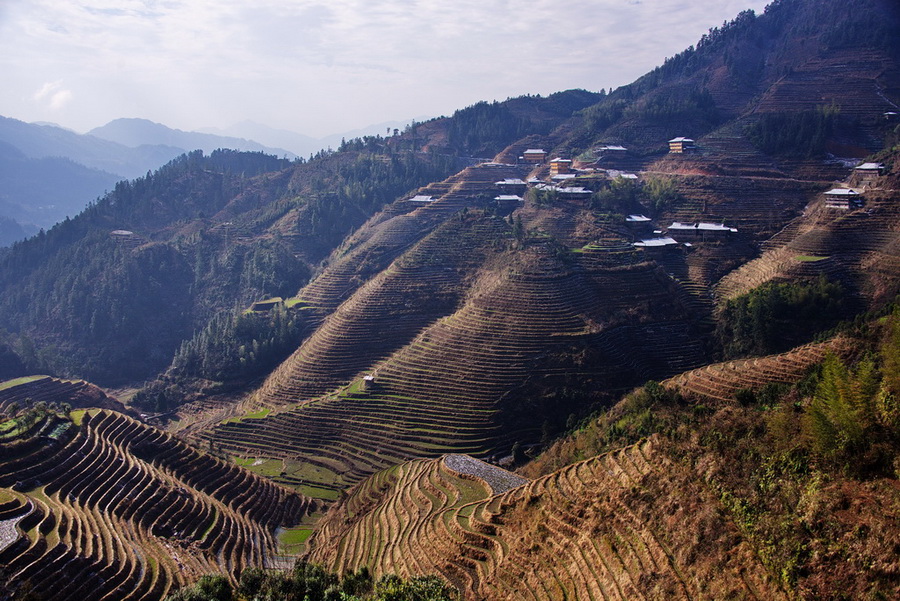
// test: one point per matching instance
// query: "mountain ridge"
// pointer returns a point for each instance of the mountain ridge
(340, 325)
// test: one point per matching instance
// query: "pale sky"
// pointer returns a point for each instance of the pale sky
(320, 67)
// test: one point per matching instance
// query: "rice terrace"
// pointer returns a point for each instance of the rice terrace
(641, 343)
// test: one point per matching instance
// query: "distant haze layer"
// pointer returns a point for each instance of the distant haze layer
(318, 68)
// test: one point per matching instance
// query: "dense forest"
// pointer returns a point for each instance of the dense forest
(110, 294)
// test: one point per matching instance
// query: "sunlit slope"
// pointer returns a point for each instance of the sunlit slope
(120, 510)
(859, 247)
(462, 326)
(623, 525)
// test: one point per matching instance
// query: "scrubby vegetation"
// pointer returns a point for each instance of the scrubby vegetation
(782, 459)
(309, 582)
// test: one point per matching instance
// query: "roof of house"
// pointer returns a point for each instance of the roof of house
(628, 176)
(561, 160)
(870, 166)
(706, 227)
(612, 147)
(656, 242)
(510, 182)
(637, 218)
(121, 233)
(421, 198)
(575, 190)
(681, 139)
(563, 176)
(842, 192)
(512, 197)
(535, 151)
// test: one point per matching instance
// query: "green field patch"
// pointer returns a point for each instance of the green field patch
(309, 472)
(292, 538)
(296, 302)
(261, 466)
(19, 381)
(808, 258)
(318, 492)
(470, 490)
(258, 414)
(77, 415)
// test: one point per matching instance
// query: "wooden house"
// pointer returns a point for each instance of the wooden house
(511, 186)
(534, 155)
(681, 145)
(842, 199)
(560, 166)
(867, 173)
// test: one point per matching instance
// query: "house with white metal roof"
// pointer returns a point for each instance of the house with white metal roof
(699, 231)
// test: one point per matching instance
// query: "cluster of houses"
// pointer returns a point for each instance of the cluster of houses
(676, 234)
(844, 199)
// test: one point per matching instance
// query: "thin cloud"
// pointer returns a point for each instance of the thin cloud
(320, 66)
(53, 95)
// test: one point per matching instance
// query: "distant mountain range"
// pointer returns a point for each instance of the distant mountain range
(48, 172)
(305, 145)
(138, 133)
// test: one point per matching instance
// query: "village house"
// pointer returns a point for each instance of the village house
(842, 199)
(867, 173)
(574, 193)
(681, 145)
(559, 166)
(511, 186)
(611, 149)
(660, 243)
(534, 155)
(699, 231)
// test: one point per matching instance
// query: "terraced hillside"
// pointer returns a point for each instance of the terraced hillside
(720, 382)
(718, 499)
(858, 247)
(23, 393)
(610, 527)
(120, 510)
(459, 322)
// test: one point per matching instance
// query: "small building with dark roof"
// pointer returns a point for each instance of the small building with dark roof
(511, 186)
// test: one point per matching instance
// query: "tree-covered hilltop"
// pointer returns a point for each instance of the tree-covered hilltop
(486, 128)
(110, 294)
(750, 66)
